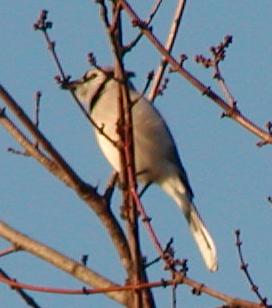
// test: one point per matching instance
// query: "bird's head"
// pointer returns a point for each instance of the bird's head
(91, 85)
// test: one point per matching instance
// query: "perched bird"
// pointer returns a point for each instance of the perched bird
(156, 156)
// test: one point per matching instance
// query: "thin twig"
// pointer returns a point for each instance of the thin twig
(110, 187)
(168, 46)
(8, 251)
(43, 25)
(38, 96)
(174, 296)
(143, 92)
(244, 268)
(218, 55)
(37, 109)
(30, 149)
(170, 262)
(29, 300)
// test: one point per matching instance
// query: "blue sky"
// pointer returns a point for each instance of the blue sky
(230, 176)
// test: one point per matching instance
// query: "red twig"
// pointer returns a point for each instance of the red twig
(8, 251)
(179, 279)
(84, 290)
(164, 254)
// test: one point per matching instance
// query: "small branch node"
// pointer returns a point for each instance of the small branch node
(206, 91)
(85, 291)
(164, 283)
(198, 289)
(51, 45)
(63, 82)
(182, 58)
(18, 152)
(233, 110)
(110, 188)
(163, 86)
(92, 59)
(147, 219)
(42, 24)
(2, 112)
(84, 259)
(206, 62)
(269, 127)
(143, 25)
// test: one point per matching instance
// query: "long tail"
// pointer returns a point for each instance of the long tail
(200, 233)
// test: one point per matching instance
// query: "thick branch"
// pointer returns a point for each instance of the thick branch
(31, 149)
(126, 152)
(125, 127)
(86, 192)
(62, 262)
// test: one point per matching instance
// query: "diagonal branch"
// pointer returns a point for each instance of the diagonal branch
(152, 14)
(168, 46)
(232, 113)
(244, 268)
(31, 148)
(62, 262)
(85, 191)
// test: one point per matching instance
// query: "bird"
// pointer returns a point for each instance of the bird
(155, 153)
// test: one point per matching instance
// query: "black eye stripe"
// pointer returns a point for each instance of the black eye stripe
(98, 93)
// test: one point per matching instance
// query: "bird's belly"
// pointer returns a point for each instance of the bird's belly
(142, 160)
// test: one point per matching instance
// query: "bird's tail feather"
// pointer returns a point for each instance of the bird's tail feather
(197, 227)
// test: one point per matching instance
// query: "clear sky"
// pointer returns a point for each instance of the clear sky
(231, 177)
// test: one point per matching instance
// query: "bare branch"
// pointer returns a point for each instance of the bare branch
(38, 96)
(235, 115)
(32, 150)
(244, 268)
(152, 14)
(110, 187)
(86, 192)
(43, 25)
(168, 46)
(62, 262)
(8, 251)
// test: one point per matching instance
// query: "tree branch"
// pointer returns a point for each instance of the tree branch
(27, 298)
(233, 114)
(168, 46)
(85, 191)
(62, 262)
